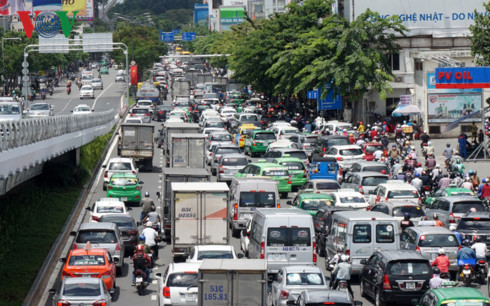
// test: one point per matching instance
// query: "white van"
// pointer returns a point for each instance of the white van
(246, 195)
(359, 234)
(282, 236)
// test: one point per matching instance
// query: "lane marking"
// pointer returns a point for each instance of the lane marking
(153, 297)
(154, 282)
(66, 105)
(101, 93)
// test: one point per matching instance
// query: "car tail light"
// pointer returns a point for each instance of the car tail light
(160, 112)
(95, 218)
(418, 249)
(314, 252)
(262, 250)
(235, 212)
(386, 199)
(166, 292)
(324, 149)
(147, 114)
(451, 218)
(289, 181)
(221, 169)
(340, 159)
(347, 252)
(305, 174)
(132, 115)
(133, 232)
(105, 173)
(386, 283)
(254, 144)
(284, 294)
(106, 274)
(62, 303)
(361, 190)
(138, 187)
(118, 247)
(75, 246)
(210, 153)
(109, 187)
(66, 274)
(278, 205)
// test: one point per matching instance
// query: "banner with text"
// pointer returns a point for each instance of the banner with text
(444, 107)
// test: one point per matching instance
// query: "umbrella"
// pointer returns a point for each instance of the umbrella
(405, 110)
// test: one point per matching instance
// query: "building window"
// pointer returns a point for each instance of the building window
(391, 104)
(419, 65)
(394, 61)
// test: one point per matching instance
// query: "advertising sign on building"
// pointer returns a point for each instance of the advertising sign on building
(463, 77)
(201, 12)
(440, 18)
(405, 100)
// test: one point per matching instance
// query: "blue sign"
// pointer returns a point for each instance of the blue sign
(312, 94)
(167, 36)
(330, 101)
(463, 77)
(188, 36)
(176, 32)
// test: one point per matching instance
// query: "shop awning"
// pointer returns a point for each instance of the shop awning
(405, 110)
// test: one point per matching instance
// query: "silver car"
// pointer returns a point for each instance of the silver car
(229, 165)
(141, 112)
(179, 284)
(222, 150)
(41, 109)
(364, 182)
(290, 281)
(82, 291)
(97, 83)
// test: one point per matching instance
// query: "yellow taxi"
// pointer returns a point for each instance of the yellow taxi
(186, 53)
(242, 133)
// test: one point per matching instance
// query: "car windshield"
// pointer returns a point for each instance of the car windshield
(95, 236)
(81, 290)
(214, 255)
(247, 132)
(402, 194)
(315, 204)
(83, 109)
(145, 103)
(182, 279)
(414, 211)
(286, 236)
(87, 260)
(275, 172)
(120, 166)
(257, 199)
(140, 111)
(120, 222)
(352, 199)
(221, 137)
(477, 224)
(109, 209)
(350, 152)
(312, 279)
(408, 268)
(87, 88)
(464, 207)
(217, 124)
(372, 149)
(227, 151)
(124, 181)
(374, 180)
(265, 136)
(293, 165)
(297, 154)
(9, 109)
(40, 107)
(327, 185)
(438, 241)
(468, 193)
(338, 142)
(309, 140)
(203, 107)
(376, 169)
(248, 118)
(289, 131)
(234, 161)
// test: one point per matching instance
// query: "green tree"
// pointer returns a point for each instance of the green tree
(480, 39)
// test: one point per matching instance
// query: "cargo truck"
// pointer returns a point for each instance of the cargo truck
(232, 282)
(187, 151)
(181, 87)
(136, 141)
(177, 175)
(179, 128)
(199, 216)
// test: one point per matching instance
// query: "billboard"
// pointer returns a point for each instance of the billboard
(201, 12)
(231, 15)
(440, 18)
(85, 8)
(448, 107)
(11, 7)
(463, 77)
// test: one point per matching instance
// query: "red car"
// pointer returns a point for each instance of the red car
(370, 148)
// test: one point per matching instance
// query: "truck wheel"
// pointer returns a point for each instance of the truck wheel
(235, 233)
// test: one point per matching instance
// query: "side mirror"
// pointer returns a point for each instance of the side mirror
(141, 182)
(73, 233)
(159, 274)
(112, 291)
(116, 260)
(291, 303)
(62, 259)
(363, 261)
(158, 194)
(88, 208)
(371, 192)
(240, 256)
(139, 223)
(289, 202)
(104, 166)
(240, 171)
(52, 291)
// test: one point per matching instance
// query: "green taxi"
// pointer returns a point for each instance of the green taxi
(242, 134)
(449, 191)
(297, 170)
(124, 186)
(311, 202)
(258, 142)
(453, 296)
(104, 70)
(274, 171)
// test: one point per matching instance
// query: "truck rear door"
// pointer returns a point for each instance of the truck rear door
(196, 153)
(214, 226)
(186, 229)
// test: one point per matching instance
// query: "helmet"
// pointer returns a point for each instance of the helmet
(472, 209)
(452, 227)
(484, 180)
(435, 217)
(412, 147)
(149, 224)
(466, 242)
(360, 122)
(142, 238)
(477, 239)
(368, 125)
(351, 135)
(448, 145)
(436, 271)
(384, 122)
(406, 215)
(429, 143)
(417, 174)
(393, 146)
(147, 194)
(140, 248)
(344, 257)
(438, 166)
(471, 171)
(458, 161)
(441, 251)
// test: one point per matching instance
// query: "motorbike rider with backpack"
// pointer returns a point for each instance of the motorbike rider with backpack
(343, 271)
(466, 255)
(141, 261)
(442, 261)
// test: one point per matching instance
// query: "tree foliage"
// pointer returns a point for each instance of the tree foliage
(480, 39)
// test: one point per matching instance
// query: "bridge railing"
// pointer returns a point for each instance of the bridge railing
(15, 134)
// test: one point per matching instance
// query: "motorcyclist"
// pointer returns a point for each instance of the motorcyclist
(146, 203)
(448, 153)
(142, 242)
(152, 238)
(343, 271)
(417, 182)
(153, 217)
(418, 169)
(480, 249)
(475, 180)
(485, 190)
(442, 261)
(396, 167)
(141, 261)
(458, 166)
(437, 221)
(430, 163)
(394, 153)
(333, 263)
(466, 255)
(467, 183)
(429, 149)
(444, 182)
(436, 280)
(406, 222)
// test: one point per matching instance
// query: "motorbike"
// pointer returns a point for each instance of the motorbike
(43, 95)
(68, 90)
(140, 283)
(467, 275)
(51, 91)
(56, 82)
(480, 270)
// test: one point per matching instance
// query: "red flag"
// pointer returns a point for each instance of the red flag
(134, 75)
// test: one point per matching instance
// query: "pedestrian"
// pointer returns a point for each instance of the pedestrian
(462, 145)
(474, 131)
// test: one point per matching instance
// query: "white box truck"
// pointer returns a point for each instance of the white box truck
(232, 282)
(187, 151)
(179, 128)
(199, 216)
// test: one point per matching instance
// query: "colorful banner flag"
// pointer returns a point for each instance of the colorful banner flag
(134, 75)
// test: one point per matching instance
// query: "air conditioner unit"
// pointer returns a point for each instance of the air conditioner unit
(399, 79)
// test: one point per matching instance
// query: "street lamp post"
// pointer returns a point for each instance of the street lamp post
(3, 58)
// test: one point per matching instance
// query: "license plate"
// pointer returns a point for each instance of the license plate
(190, 297)
(139, 279)
(410, 286)
(466, 272)
(124, 199)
